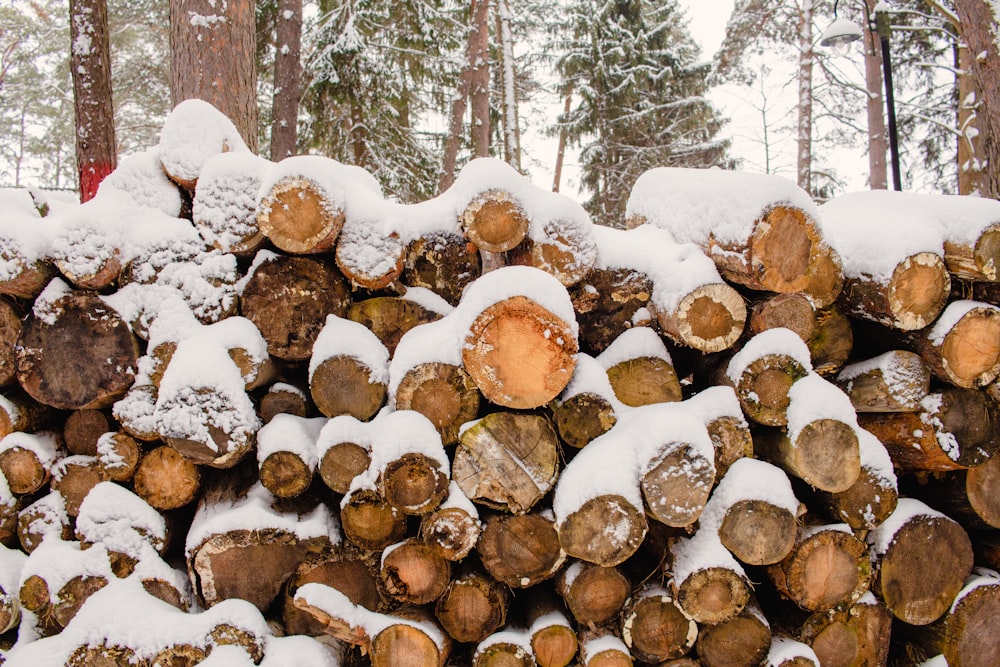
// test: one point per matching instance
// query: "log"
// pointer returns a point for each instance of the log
(73, 477)
(969, 496)
(43, 518)
(283, 398)
(369, 256)
(452, 530)
(896, 381)
(473, 606)
(167, 480)
(443, 262)
(58, 579)
(444, 393)
(26, 242)
(728, 429)
(82, 429)
(603, 649)
(494, 220)
(520, 550)
(412, 573)
(26, 461)
(769, 240)
(820, 445)
(76, 353)
(301, 210)
(763, 373)
(963, 346)
(956, 428)
(389, 317)
(348, 370)
(827, 568)
(505, 648)
(134, 412)
(341, 567)
(562, 246)
(224, 207)
(608, 302)
(833, 341)
(791, 310)
(640, 369)
(118, 456)
(88, 247)
(369, 521)
(594, 595)
(553, 640)
(923, 560)
(966, 633)
(344, 450)
(974, 253)
(742, 641)
(655, 628)
(788, 652)
(872, 498)
(753, 510)
(507, 460)
(858, 635)
(912, 298)
(289, 298)
(10, 330)
(286, 454)
(707, 582)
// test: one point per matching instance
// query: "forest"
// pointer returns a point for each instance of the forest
(412, 90)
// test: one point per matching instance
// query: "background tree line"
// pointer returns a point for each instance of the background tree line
(410, 89)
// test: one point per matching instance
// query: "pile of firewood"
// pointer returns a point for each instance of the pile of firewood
(259, 413)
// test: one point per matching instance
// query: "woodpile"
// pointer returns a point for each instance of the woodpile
(260, 414)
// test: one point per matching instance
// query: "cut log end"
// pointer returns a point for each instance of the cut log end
(414, 483)
(285, 474)
(495, 221)
(970, 629)
(443, 393)
(644, 381)
(788, 255)
(297, 217)
(742, 641)
(676, 489)
(824, 571)
(711, 318)
(970, 352)
(342, 385)
(519, 354)
(655, 629)
(581, 418)
(763, 388)
(758, 532)
(713, 594)
(341, 463)
(472, 608)
(371, 523)
(918, 290)
(605, 530)
(166, 480)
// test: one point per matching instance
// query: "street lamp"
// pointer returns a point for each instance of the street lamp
(840, 35)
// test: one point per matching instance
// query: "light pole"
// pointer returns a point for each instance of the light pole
(840, 35)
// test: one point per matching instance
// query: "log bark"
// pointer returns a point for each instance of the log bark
(519, 354)
(507, 460)
(494, 221)
(473, 606)
(289, 298)
(956, 428)
(655, 628)
(922, 565)
(858, 635)
(349, 571)
(412, 573)
(443, 262)
(593, 594)
(741, 641)
(390, 317)
(81, 355)
(912, 298)
(963, 352)
(443, 393)
(827, 568)
(520, 551)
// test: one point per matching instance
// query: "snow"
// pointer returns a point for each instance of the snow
(748, 479)
(192, 133)
(341, 337)
(11, 563)
(701, 551)
(113, 515)
(435, 342)
(58, 561)
(717, 402)
(225, 200)
(874, 231)
(334, 182)
(255, 511)
(519, 639)
(906, 510)
(695, 205)
(813, 398)
(44, 446)
(141, 178)
(591, 377)
(605, 642)
(50, 511)
(342, 429)
(875, 458)
(635, 343)
(772, 342)
(784, 649)
(291, 433)
(458, 500)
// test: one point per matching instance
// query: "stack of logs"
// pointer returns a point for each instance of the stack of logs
(479, 431)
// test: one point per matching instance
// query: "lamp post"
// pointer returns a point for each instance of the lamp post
(840, 35)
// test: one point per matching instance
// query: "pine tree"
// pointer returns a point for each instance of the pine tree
(640, 97)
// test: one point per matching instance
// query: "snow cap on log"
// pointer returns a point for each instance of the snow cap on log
(348, 369)
(434, 342)
(786, 652)
(343, 337)
(25, 245)
(141, 178)
(290, 433)
(121, 520)
(521, 335)
(902, 375)
(693, 304)
(225, 202)
(191, 134)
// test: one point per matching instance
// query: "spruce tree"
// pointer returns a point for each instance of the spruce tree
(639, 97)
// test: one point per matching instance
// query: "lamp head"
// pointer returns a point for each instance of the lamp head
(840, 35)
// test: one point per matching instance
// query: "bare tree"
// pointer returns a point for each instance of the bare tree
(90, 65)
(212, 47)
(287, 79)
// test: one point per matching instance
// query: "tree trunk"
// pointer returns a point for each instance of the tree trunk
(561, 151)
(970, 140)
(875, 106)
(978, 27)
(212, 57)
(805, 106)
(90, 65)
(479, 88)
(287, 80)
(511, 133)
